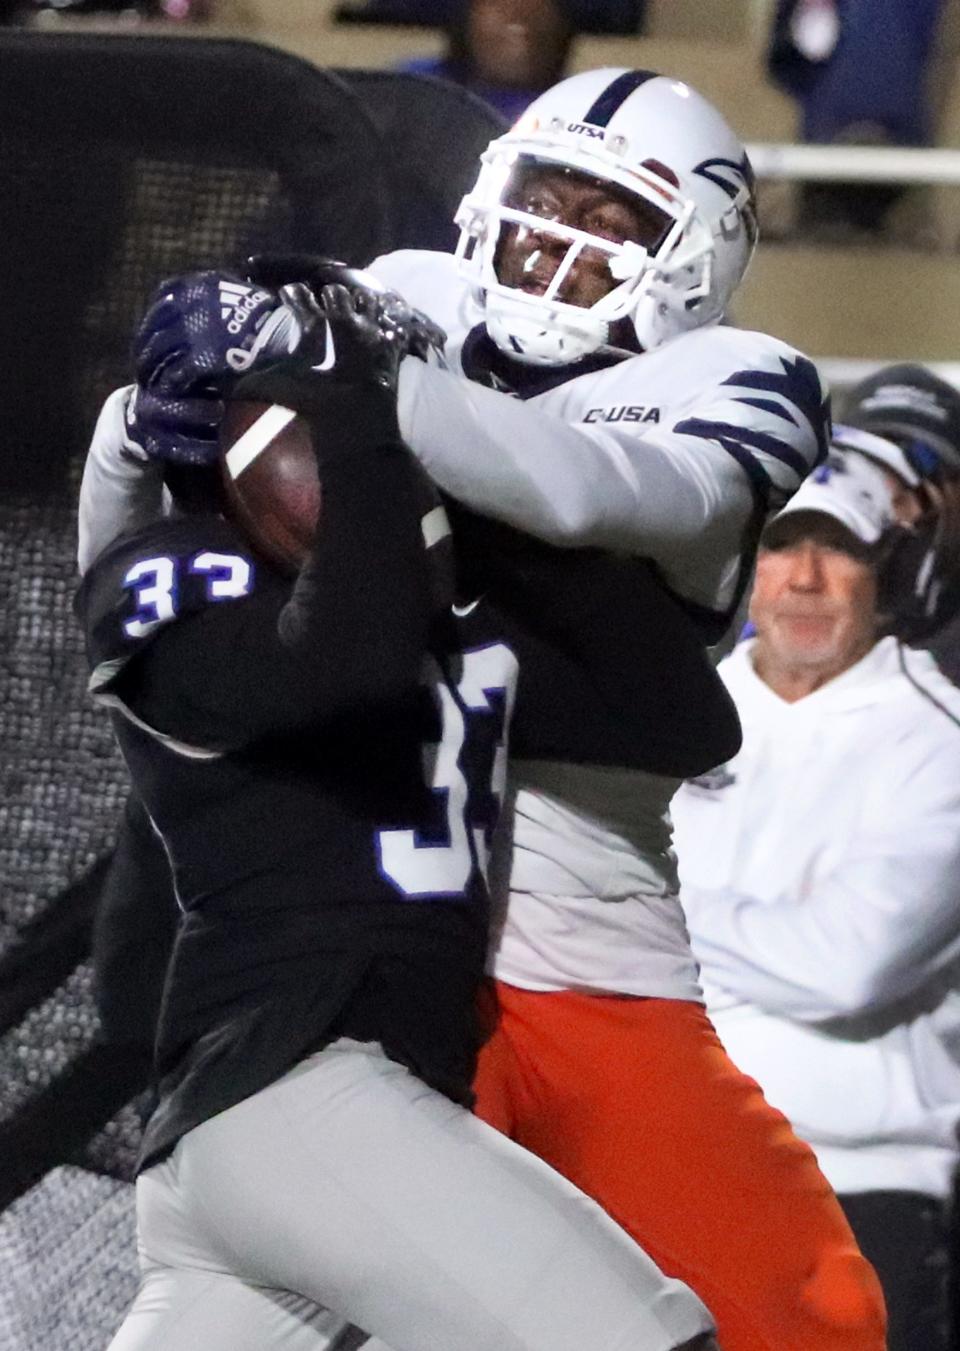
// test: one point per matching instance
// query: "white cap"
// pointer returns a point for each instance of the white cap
(877, 448)
(850, 489)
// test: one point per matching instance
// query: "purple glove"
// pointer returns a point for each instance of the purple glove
(200, 332)
(179, 431)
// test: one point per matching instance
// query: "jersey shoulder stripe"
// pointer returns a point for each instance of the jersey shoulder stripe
(769, 406)
(773, 408)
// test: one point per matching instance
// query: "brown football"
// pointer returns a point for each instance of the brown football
(270, 478)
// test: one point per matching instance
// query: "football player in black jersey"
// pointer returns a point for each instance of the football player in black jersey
(322, 757)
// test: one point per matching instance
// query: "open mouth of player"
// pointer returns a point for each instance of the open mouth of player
(535, 286)
(543, 273)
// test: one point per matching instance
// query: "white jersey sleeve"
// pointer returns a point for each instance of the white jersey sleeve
(686, 444)
(740, 420)
(570, 484)
(120, 489)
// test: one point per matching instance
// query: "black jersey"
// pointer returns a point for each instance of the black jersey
(326, 785)
(619, 672)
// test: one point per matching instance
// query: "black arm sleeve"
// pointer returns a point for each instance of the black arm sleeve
(350, 634)
(625, 667)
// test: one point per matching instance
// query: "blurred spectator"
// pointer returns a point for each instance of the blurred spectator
(859, 70)
(506, 51)
(910, 406)
(820, 873)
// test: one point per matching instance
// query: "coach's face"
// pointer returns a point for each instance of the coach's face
(814, 605)
(528, 257)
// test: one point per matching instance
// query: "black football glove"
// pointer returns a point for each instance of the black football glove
(418, 333)
(343, 374)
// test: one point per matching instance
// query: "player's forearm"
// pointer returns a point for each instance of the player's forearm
(512, 461)
(350, 642)
(119, 491)
(360, 610)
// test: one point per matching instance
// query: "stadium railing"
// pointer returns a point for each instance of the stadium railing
(935, 167)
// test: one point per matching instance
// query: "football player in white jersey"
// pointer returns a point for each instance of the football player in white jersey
(592, 396)
(606, 404)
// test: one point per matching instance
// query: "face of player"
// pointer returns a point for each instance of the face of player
(517, 43)
(528, 258)
(814, 606)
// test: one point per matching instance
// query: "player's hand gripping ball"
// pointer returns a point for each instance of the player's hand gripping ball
(419, 335)
(272, 433)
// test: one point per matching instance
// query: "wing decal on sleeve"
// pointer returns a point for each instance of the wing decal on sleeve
(747, 437)
(768, 406)
(798, 384)
(778, 419)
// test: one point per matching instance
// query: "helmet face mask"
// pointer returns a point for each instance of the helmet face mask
(694, 226)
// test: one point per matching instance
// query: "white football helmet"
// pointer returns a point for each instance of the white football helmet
(661, 141)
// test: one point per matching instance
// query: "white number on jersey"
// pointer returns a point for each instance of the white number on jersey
(154, 582)
(477, 714)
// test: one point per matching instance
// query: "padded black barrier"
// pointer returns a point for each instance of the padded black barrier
(122, 159)
(126, 158)
(624, 17)
(434, 133)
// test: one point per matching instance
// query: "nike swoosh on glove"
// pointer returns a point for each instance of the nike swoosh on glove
(343, 375)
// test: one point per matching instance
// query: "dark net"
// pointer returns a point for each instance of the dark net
(124, 160)
(67, 1256)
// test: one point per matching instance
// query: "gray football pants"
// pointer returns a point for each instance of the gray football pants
(348, 1190)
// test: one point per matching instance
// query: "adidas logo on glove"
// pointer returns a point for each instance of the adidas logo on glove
(237, 303)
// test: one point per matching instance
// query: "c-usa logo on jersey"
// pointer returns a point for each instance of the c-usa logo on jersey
(623, 413)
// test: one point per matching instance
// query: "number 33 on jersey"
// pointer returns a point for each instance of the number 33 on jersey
(232, 667)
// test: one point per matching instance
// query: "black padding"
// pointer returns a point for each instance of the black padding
(125, 159)
(434, 133)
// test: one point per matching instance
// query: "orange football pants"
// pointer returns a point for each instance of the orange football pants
(636, 1101)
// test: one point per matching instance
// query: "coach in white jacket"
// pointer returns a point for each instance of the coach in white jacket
(820, 873)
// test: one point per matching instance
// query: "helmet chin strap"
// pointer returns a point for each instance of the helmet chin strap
(532, 339)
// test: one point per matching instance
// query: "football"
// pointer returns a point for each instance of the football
(270, 479)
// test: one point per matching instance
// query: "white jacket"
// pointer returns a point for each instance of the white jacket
(820, 874)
